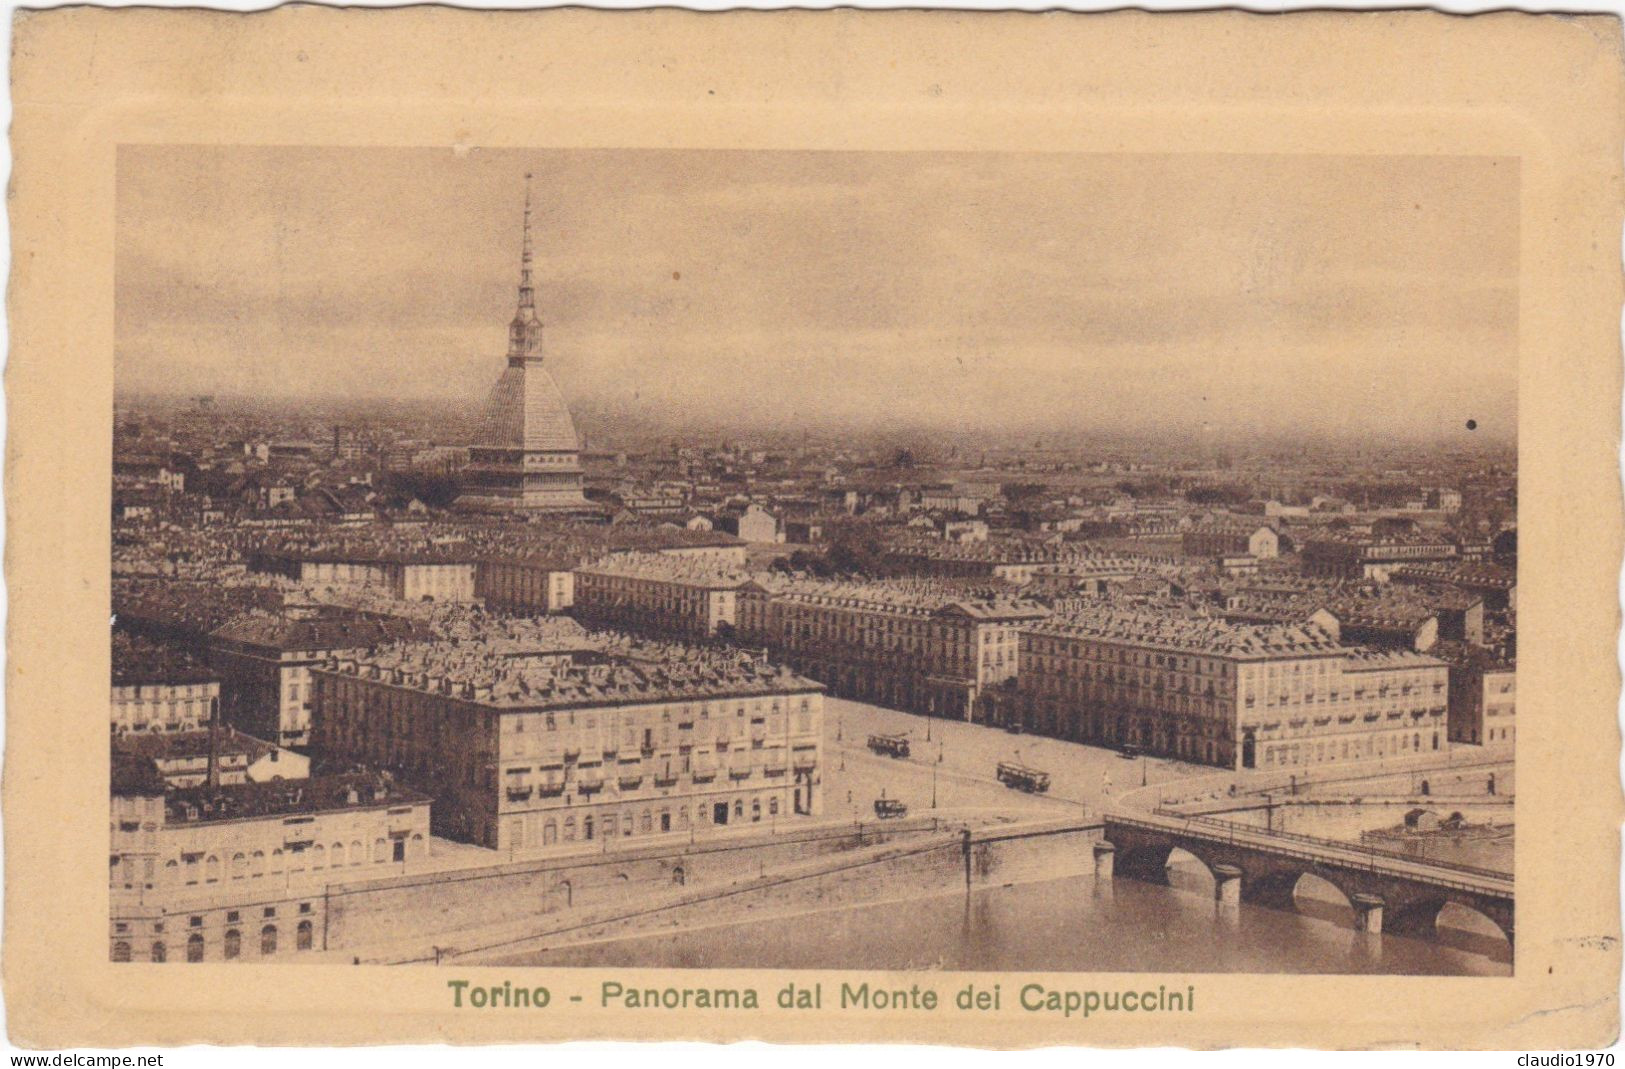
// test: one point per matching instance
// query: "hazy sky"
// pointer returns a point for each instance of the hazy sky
(1340, 294)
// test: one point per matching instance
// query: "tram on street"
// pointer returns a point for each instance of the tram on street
(888, 808)
(889, 745)
(1022, 778)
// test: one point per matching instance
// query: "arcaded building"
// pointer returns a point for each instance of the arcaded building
(238, 872)
(917, 646)
(1239, 696)
(526, 748)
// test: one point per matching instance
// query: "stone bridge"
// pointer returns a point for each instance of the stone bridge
(1388, 890)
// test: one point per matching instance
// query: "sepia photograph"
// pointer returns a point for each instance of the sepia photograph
(968, 530)
(801, 560)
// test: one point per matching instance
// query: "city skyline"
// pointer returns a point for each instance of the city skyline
(1216, 294)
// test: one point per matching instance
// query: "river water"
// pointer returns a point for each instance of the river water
(1075, 924)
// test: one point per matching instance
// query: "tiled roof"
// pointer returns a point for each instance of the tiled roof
(139, 661)
(565, 676)
(1190, 632)
(175, 745)
(668, 568)
(282, 632)
(526, 411)
(135, 776)
(241, 801)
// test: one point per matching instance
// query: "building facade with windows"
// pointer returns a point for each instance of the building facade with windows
(530, 749)
(1356, 557)
(159, 689)
(659, 594)
(543, 584)
(264, 660)
(1232, 540)
(1483, 694)
(1237, 696)
(904, 645)
(237, 871)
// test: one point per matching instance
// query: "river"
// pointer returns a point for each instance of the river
(1075, 924)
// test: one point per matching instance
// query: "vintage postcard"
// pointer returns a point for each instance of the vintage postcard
(915, 527)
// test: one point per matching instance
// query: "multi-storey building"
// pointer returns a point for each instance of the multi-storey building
(908, 645)
(183, 757)
(407, 576)
(218, 873)
(264, 660)
(660, 594)
(1238, 696)
(545, 583)
(1354, 557)
(1483, 694)
(157, 688)
(527, 748)
(1228, 540)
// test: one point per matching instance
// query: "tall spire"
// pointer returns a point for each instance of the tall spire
(525, 332)
(527, 296)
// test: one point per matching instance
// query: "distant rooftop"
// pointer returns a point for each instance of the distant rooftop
(688, 571)
(910, 596)
(242, 801)
(140, 661)
(529, 675)
(1190, 632)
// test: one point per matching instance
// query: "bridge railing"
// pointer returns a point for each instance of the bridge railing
(1339, 844)
(1490, 882)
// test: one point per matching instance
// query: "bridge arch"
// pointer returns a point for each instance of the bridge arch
(1465, 923)
(1144, 861)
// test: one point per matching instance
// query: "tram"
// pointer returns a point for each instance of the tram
(887, 808)
(889, 745)
(1022, 778)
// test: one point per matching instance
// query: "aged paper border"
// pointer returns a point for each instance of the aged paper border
(1546, 89)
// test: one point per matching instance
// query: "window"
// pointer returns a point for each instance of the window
(121, 951)
(158, 954)
(268, 940)
(234, 943)
(194, 947)
(302, 936)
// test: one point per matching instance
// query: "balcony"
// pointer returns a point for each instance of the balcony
(774, 771)
(586, 788)
(518, 794)
(739, 773)
(631, 783)
(704, 775)
(550, 790)
(666, 780)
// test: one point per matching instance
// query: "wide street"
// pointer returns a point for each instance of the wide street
(964, 757)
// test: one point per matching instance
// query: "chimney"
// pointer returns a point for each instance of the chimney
(214, 744)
